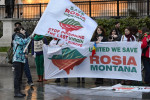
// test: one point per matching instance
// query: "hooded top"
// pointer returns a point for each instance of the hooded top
(38, 37)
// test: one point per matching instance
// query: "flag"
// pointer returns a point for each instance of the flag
(94, 49)
(64, 20)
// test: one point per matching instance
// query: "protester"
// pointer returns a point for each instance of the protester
(134, 31)
(59, 42)
(145, 54)
(117, 28)
(128, 37)
(37, 52)
(19, 44)
(99, 36)
(113, 36)
(83, 80)
(26, 65)
(9, 8)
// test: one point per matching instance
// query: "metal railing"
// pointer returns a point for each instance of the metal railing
(97, 8)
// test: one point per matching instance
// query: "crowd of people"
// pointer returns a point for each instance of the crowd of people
(20, 38)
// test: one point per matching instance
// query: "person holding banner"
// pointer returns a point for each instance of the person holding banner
(99, 36)
(113, 36)
(37, 52)
(128, 37)
(19, 44)
(59, 42)
(26, 65)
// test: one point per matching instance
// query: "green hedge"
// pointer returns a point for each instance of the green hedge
(108, 24)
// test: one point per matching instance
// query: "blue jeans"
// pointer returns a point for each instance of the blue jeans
(27, 71)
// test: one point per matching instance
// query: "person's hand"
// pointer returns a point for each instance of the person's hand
(33, 56)
(115, 36)
(98, 42)
(148, 39)
(26, 56)
(99, 38)
(32, 36)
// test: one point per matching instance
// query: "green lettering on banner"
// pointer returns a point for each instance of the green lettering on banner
(76, 40)
(113, 68)
(94, 67)
(115, 49)
(126, 69)
(90, 49)
(102, 49)
(120, 69)
(108, 68)
(129, 50)
(133, 70)
(101, 67)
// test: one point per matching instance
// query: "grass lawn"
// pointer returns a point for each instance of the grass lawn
(4, 49)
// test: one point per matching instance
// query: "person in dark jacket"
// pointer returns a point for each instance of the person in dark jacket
(99, 36)
(9, 8)
(113, 36)
(117, 28)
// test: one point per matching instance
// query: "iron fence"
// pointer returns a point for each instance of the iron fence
(95, 9)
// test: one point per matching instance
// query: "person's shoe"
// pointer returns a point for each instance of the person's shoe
(6, 16)
(19, 95)
(39, 80)
(23, 94)
(57, 81)
(31, 84)
(44, 80)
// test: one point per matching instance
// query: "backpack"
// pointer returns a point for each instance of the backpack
(10, 55)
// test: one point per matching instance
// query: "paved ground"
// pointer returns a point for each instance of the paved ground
(63, 91)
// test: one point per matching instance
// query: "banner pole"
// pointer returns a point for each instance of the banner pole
(32, 35)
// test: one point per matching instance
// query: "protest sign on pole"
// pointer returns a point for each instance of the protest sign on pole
(64, 20)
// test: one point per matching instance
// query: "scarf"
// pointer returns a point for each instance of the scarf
(129, 36)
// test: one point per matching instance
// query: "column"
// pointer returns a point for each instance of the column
(8, 30)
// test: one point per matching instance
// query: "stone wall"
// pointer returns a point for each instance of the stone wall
(2, 2)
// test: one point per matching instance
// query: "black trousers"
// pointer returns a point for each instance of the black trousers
(146, 63)
(18, 72)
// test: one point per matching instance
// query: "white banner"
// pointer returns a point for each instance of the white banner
(124, 88)
(63, 20)
(114, 60)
